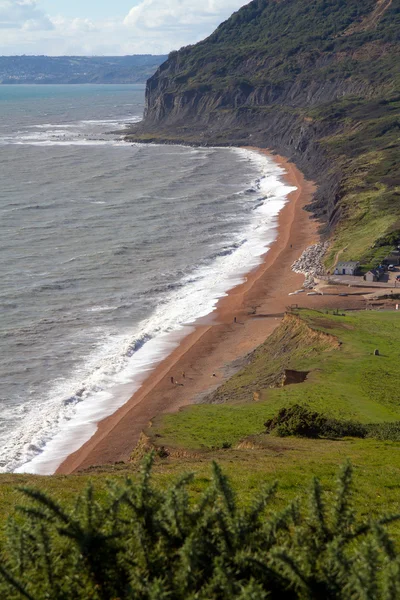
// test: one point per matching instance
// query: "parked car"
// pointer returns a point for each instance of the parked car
(391, 268)
(398, 278)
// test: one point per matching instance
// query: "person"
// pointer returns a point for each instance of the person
(183, 374)
(234, 319)
(172, 380)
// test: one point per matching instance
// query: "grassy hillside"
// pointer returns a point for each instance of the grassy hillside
(366, 146)
(296, 40)
(344, 380)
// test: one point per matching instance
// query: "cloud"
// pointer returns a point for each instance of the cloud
(71, 26)
(155, 14)
(164, 25)
(151, 26)
(23, 14)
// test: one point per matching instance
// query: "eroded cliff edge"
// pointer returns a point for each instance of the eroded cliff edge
(315, 80)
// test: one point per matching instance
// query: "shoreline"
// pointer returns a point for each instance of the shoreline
(205, 355)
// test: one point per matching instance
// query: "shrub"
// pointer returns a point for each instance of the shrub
(384, 431)
(143, 544)
(301, 421)
(296, 420)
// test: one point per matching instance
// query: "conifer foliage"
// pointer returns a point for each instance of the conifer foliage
(141, 543)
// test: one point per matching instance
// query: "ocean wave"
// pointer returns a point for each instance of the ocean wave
(102, 308)
(37, 207)
(69, 134)
(226, 251)
(137, 344)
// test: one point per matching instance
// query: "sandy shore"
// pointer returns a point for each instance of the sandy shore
(217, 341)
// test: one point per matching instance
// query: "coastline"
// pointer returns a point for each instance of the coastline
(216, 341)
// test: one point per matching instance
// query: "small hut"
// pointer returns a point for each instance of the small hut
(372, 275)
(350, 267)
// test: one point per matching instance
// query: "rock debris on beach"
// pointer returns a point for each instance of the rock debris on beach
(310, 263)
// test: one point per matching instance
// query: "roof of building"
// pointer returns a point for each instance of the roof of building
(350, 264)
(373, 272)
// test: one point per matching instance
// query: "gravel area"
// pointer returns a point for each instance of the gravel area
(310, 263)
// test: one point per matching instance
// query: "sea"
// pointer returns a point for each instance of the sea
(109, 253)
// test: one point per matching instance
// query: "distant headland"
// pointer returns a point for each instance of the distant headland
(24, 69)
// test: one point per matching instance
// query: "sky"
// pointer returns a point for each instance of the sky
(107, 27)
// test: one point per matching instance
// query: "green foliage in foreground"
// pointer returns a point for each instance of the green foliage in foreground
(143, 544)
(301, 421)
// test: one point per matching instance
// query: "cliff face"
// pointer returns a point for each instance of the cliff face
(305, 78)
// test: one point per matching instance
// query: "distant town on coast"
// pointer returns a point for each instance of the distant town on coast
(24, 69)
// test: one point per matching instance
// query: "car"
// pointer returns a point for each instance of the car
(391, 268)
(398, 278)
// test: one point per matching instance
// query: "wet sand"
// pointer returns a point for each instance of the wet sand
(206, 354)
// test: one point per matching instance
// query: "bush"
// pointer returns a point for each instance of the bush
(384, 431)
(143, 544)
(301, 421)
(296, 420)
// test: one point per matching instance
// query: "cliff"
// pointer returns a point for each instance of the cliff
(315, 80)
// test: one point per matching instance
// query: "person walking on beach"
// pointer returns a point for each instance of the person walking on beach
(234, 319)
(183, 375)
(172, 380)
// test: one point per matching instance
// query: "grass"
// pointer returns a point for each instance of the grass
(293, 462)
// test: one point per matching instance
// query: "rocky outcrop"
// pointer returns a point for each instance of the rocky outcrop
(310, 263)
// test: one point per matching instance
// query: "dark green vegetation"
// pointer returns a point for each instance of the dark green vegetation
(285, 37)
(301, 421)
(316, 80)
(78, 69)
(143, 544)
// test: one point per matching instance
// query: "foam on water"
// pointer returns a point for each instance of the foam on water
(68, 417)
(69, 134)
